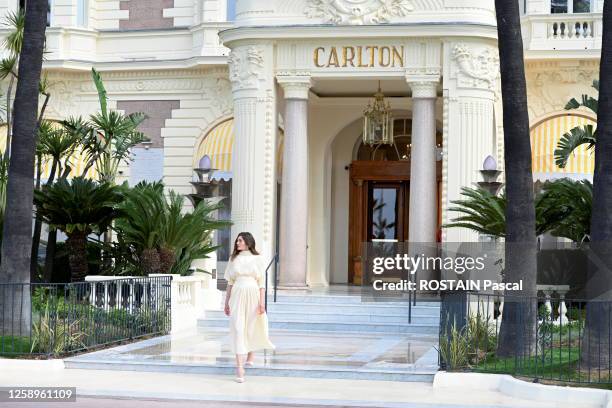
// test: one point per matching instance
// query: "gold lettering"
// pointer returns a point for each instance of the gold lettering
(360, 57)
(382, 61)
(372, 55)
(346, 59)
(333, 58)
(316, 56)
(398, 56)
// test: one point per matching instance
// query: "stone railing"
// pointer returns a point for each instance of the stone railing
(190, 296)
(551, 294)
(562, 32)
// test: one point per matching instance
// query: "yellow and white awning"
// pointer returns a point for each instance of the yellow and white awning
(218, 145)
(544, 141)
(77, 161)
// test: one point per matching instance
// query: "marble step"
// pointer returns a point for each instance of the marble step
(403, 328)
(397, 309)
(334, 299)
(334, 316)
(417, 374)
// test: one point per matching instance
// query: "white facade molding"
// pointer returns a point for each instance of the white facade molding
(246, 65)
(476, 68)
(295, 86)
(358, 11)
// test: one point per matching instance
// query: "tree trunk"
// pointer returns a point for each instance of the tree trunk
(517, 332)
(77, 257)
(51, 236)
(38, 222)
(596, 341)
(17, 229)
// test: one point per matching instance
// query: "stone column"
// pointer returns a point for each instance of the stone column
(253, 189)
(423, 211)
(294, 190)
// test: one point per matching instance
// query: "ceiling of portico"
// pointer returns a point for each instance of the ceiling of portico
(361, 87)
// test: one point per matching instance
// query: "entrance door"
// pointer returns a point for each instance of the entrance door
(379, 207)
(387, 206)
(378, 212)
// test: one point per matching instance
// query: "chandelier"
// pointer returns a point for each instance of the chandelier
(377, 121)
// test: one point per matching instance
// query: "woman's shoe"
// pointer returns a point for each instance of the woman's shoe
(248, 364)
(240, 379)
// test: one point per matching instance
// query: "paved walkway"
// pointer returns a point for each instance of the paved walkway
(257, 389)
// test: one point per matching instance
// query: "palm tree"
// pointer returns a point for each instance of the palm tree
(163, 237)
(563, 208)
(77, 208)
(107, 136)
(580, 135)
(17, 228)
(517, 332)
(596, 349)
(56, 145)
(15, 21)
(481, 211)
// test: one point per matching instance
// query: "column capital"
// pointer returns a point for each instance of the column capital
(423, 85)
(295, 86)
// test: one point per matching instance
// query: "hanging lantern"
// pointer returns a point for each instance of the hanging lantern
(377, 121)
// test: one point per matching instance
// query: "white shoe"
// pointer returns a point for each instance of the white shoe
(240, 379)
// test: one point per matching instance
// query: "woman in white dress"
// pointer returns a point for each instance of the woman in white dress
(245, 303)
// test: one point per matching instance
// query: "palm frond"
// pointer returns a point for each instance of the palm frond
(571, 140)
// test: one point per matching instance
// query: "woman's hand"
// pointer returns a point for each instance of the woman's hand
(227, 309)
(261, 309)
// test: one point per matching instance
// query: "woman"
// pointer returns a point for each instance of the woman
(245, 303)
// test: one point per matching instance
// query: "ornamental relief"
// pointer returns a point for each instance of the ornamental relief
(245, 67)
(476, 69)
(550, 89)
(356, 12)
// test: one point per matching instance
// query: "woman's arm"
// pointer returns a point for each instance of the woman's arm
(228, 293)
(262, 300)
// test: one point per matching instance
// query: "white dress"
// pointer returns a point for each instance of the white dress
(247, 328)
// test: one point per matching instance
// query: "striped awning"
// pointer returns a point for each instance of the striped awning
(544, 140)
(77, 161)
(218, 145)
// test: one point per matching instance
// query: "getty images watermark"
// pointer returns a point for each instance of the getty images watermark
(392, 269)
(459, 265)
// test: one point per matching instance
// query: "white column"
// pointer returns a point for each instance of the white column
(253, 189)
(423, 211)
(294, 190)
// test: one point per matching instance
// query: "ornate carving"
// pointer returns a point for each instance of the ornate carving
(220, 92)
(246, 66)
(62, 101)
(358, 11)
(551, 84)
(476, 70)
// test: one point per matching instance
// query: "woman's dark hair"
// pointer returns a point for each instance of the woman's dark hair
(248, 239)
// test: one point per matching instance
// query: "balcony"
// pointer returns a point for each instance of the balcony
(562, 35)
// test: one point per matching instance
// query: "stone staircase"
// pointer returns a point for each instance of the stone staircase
(345, 313)
(317, 335)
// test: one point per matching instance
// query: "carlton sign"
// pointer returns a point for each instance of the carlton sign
(370, 56)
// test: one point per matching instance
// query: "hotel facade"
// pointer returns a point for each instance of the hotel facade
(272, 95)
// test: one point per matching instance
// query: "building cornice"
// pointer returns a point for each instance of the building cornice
(408, 30)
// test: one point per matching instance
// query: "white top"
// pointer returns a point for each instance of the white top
(246, 269)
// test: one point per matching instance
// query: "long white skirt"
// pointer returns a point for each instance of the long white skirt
(248, 329)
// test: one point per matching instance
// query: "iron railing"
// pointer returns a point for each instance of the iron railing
(59, 318)
(550, 339)
(273, 261)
